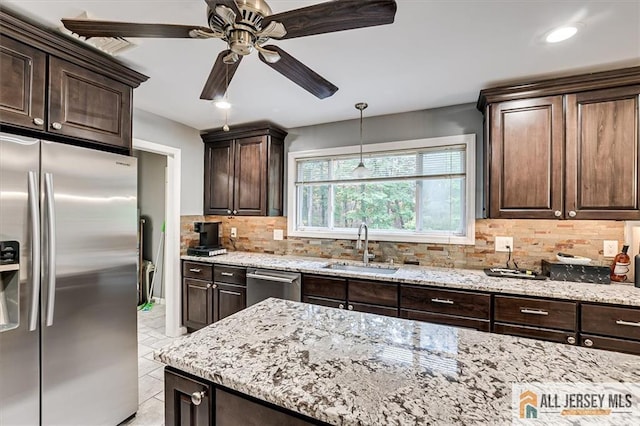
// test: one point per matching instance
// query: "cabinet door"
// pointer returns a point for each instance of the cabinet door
(87, 105)
(602, 154)
(230, 299)
(526, 156)
(250, 189)
(22, 84)
(187, 402)
(197, 303)
(218, 178)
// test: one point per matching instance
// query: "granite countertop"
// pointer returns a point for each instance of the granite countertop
(351, 368)
(466, 279)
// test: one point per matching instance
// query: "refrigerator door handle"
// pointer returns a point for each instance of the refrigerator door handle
(51, 251)
(34, 207)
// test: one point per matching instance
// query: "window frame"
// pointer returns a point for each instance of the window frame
(468, 140)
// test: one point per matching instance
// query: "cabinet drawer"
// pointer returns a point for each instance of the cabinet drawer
(230, 274)
(330, 303)
(611, 344)
(535, 312)
(373, 309)
(201, 271)
(478, 324)
(536, 333)
(611, 321)
(333, 288)
(459, 303)
(377, 293)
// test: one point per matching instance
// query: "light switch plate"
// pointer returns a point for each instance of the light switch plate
(234, 232)
(278, 234)
(502, 243)
(610, 248)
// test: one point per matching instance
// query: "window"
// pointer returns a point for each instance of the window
(418, 191)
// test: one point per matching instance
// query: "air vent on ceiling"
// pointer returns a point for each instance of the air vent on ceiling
(110, 45)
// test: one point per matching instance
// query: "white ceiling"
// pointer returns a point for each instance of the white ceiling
(437, 53)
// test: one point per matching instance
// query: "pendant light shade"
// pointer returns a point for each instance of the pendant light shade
(361, 171)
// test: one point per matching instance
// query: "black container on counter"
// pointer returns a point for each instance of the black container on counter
(576, 273)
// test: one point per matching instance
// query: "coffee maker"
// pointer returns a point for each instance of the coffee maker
(209, 244)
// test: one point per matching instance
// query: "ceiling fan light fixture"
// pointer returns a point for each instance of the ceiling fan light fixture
(561, 34)
(222, 104)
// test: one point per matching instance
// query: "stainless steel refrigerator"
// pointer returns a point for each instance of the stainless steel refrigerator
(68, 346)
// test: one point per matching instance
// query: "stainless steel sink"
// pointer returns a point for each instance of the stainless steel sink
(368, 269)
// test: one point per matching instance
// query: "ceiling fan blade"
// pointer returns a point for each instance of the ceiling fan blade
(216, 84)
(334, 16)
(300, 74)
(88, 28)
(231, 4)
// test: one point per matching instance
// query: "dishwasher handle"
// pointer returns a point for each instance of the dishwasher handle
(271, 278)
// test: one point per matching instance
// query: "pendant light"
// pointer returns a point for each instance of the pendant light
(361, 171)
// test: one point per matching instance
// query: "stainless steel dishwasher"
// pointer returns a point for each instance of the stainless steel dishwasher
(265, 283)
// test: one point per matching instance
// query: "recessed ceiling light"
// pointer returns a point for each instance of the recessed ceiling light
(561, 34)
(222, 104)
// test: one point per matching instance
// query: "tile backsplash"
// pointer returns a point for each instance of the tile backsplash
(534, 240)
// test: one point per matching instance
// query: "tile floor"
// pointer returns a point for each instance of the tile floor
(150, 373)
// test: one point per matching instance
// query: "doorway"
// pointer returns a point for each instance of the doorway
(171, 250)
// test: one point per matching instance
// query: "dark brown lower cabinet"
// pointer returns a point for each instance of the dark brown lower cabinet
(329, 303)
(197, 303)
(190, 401)
(187, 402)
(558, 336)
(373, 309)
(229, 299)
(610, 344)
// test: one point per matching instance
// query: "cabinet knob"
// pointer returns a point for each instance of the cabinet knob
(558, 213)
(588, 342)
(235, 212)
(341, 306)
(196, 397)
(208, 285)
(215, 286)
(228, 211)
(350, 307)
(56, 125)
(38, 121)
(571, 340)
(572, 213)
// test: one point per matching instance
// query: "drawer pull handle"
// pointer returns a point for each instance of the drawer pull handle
(443, 301)
(534, 311)
(196, 397)
(588, 342)
(341, 306)
(571, 340)
(350, 307)
(226, 274)
(196, 270)
(631, 324)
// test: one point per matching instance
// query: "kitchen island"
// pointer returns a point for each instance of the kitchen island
(350, 368)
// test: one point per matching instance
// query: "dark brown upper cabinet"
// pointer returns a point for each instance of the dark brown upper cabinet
(602, 149)
(58, 89)
(22, 84)
(244, 171)
(565, 148)
(87, 105)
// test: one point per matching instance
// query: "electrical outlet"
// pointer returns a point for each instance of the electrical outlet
(234, 232)
(610, 248)
(503, 242)
(278, 234)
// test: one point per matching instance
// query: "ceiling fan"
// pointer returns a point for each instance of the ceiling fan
(246, 25)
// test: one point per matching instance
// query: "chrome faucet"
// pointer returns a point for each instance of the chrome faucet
(365, 256)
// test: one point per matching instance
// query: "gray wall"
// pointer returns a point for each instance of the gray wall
(438, 122)
(160, 130)
(151, 202)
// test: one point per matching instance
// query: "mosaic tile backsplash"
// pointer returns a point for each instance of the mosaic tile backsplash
(534, 240)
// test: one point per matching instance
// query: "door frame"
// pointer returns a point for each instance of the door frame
(171, 261)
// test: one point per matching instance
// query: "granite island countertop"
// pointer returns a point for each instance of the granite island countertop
(351, 368)
(463, 279)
